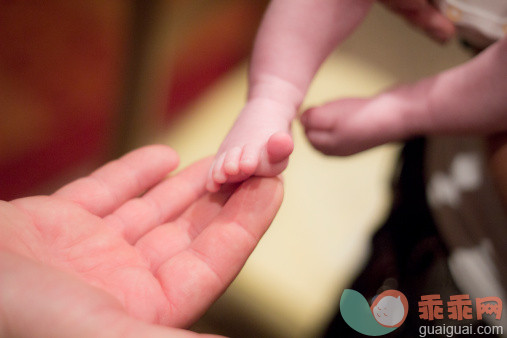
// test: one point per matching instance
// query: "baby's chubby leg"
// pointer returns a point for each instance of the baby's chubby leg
(293, 40)
(466, 100)
(259, 143)
(347, 126)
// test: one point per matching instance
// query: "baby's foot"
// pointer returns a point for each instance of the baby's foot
(259, 144)
(348, 126)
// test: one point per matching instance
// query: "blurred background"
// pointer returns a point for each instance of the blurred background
(82, 82)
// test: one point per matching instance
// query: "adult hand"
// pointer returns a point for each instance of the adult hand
(95, 259)
(424, 15)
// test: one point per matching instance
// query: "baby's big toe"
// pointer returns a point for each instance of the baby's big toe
(274, 155)
(279, 147)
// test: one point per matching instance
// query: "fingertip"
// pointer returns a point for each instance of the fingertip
(436, 24)
(163, 154)
(441, 29)
(265, 187)
(281, 178)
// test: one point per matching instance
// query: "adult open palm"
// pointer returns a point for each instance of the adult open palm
(97, 258)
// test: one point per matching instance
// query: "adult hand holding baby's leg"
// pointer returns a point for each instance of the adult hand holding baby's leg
(466, 100)
(258, 144)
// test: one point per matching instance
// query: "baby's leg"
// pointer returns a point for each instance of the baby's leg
(258, 144)
(466, 100)
(351, 125)
(293, 40)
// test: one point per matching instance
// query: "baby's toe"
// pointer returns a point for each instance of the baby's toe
(219, 175)
(249, 159)
(279, 147)
(231, 162)
(211, 185)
